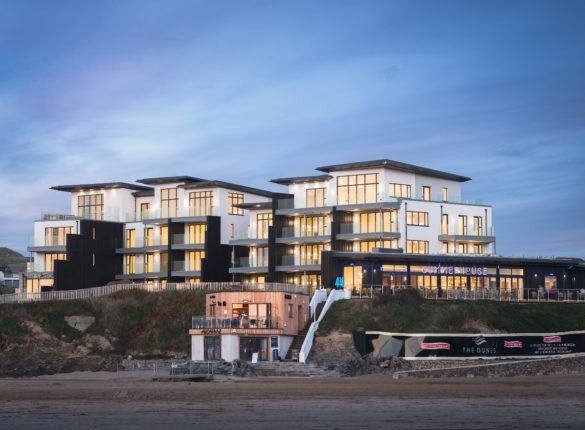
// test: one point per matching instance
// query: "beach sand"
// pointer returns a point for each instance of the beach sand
(102, 400)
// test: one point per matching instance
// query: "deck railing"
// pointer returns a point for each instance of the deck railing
(89, 293)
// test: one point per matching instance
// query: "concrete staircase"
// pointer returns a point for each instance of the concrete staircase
(297, 342)
(285, 368)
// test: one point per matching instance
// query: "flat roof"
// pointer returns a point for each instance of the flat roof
(100, 186)
(301, 179)
(144, 193)
(229, 186)
(396, 165)
(169, 180)
(442, 258)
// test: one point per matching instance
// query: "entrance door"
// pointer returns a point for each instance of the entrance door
(212, 348)
(352, 278)
(550, 283)
(251, 345)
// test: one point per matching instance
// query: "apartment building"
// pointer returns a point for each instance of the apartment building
(386, 223)
(167, 229)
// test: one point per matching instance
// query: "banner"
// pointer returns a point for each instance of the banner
(384, 345)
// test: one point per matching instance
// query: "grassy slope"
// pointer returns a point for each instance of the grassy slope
(414, 315)
(135, 322)
(8, 256)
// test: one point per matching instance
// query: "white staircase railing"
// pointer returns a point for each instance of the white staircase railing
(319, 297)
(334, 295)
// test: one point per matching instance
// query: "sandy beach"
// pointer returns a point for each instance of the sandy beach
(93, 401)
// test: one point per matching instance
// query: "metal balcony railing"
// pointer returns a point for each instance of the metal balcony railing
(242, 322)
(251, 262)
(299, 260)
(456, 229)
(185, 239)
(358, 228)
(305, 231)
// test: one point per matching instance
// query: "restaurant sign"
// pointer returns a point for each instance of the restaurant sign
(384, 345)
(455, 270)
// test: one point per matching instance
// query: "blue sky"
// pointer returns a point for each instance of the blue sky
(246, 91)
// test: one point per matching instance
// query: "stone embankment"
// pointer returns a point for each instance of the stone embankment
(336, 352)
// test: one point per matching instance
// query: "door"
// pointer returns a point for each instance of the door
(352, 278)
(212, 348)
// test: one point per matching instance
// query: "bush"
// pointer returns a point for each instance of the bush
(406, 297)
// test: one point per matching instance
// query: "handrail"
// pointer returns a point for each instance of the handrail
(89, 293)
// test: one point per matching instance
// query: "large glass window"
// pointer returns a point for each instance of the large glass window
(316, 197)
(168, 202)
(357, 189)
(263, 221)
(352, 278)
(196, 233)
(375, 222)
(50, 261)
(149, 236)
(144, 208)
(444, 224)
(462, 225)
(129, 264)
(57, 236)
(310, 254)
(417, 218)
(314, 226)
(130, 238)
(233, 200)
(369, 245)
(212, 348)
(417, 246)
(91, 206)
(400, 190)
(426, 192)
(478, 226)
(445, 191)
(253, 345)
(164, 235)
(194, 260)
(201, 203)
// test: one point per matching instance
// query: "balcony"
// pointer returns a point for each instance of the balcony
(300, 263)
(357, 230)
(450, 199)
(142, 244)
(184, 241)
(250, 265)
(387, 203)
(287, 207)
(139, 270)
(47, 244)
(241, 323)
(186, 269)
(304, 234)
(250, 236)
(471, 233)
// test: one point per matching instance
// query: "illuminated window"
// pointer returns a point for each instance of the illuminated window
(417, 247)
(357, 189)
(233, 200)
(50, 261)
(369, 245)
(263, 221)
(417, 218)
(57, 236)
(144, 208)
(168, 202)
(129, 264)
(201, 203)
(316, 197)
(196, 233)
(478, 226)
(445, 224)
(374, 222)
(400, 190)
(426, 192)
(462, 225)
(194, 260)
(445, 191)
(130, 238)
(91, 206)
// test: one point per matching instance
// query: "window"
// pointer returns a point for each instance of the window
(57, 236)
(194, 260)
(478, 248)
(259, 257)
(130, 238)
(129, 264)
(478, 226)
(235, 199)
(263, 221)
(445, 194)
(462, 248)
(400, 190)
(445, 224)
(149, 263)
(144, 208)
(417, 247)
(93, 233)
(417, 218)
(314, 226)
(196, 233)
(93, 260)
(356, 189)
(309, 254)
(370, 222)
(164, 234)
(232, 231)
(149, 236)
(445, 247)
(91, 206)
(168, 202)
(201, 203)
(462, 225)
(426, 192)
(369, 245)
(316, 197)
(50, 261)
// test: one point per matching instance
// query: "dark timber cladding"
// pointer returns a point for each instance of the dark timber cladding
(570, 272)
(91, 256)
